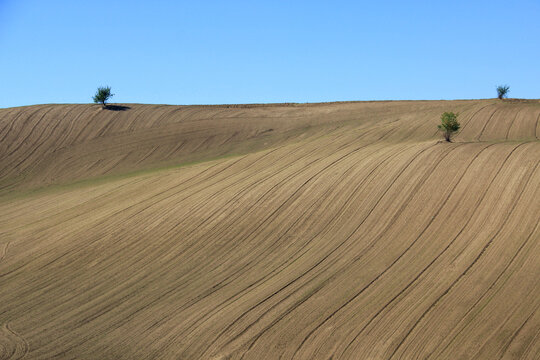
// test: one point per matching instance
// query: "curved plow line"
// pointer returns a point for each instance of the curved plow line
(344, 242)
(125, 320)
(284, 265)
(432, 306)
(417, 238)
(485, 125)
(496, 280)
(291, 197)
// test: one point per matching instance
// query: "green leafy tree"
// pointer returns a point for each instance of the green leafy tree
(103, 94)
(502, 91)
(449, 125)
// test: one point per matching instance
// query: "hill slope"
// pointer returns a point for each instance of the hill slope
(341, 230)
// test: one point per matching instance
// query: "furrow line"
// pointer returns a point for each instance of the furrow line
(299, 171)
(512, 123)
(283, 181)
(321, 198)
(14, 121)
(516, 333)
(30, 132)
(412, 244)
(485, 125)
(496, 280)
(371, 245)
(298, 254)
(471, 118)
(36, 146)
(468, 268)
(231, 175)
(239, 193)
(125, 209)
(536, 126)
(348, 237)
(4, 251)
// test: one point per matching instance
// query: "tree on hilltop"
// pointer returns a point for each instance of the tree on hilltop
(502, 91)
(103, 94)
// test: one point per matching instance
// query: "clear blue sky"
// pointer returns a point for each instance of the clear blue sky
(209, 52)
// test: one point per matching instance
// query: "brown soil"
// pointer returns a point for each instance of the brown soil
(306, 231)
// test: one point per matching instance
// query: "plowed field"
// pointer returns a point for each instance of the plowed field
(286, 231)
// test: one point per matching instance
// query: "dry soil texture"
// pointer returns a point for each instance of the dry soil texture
(287, 231)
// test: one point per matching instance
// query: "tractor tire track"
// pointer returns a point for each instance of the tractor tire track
(417, 238)
(512, 123)
(297, 255)
(486, 124)
(464, 273)
(372, 243)
(347, 238)
(492, 285)
(471, 118)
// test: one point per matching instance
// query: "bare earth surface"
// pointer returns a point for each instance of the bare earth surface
(320, 231)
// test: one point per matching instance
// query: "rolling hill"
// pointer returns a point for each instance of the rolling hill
(292, 231)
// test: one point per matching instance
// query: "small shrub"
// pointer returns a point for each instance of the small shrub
(502, 91)
(103, 94)
(449, 125)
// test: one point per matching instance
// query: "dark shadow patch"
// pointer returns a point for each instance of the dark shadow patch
(116, 107)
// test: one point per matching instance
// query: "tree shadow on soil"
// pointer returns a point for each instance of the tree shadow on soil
(117, 107)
